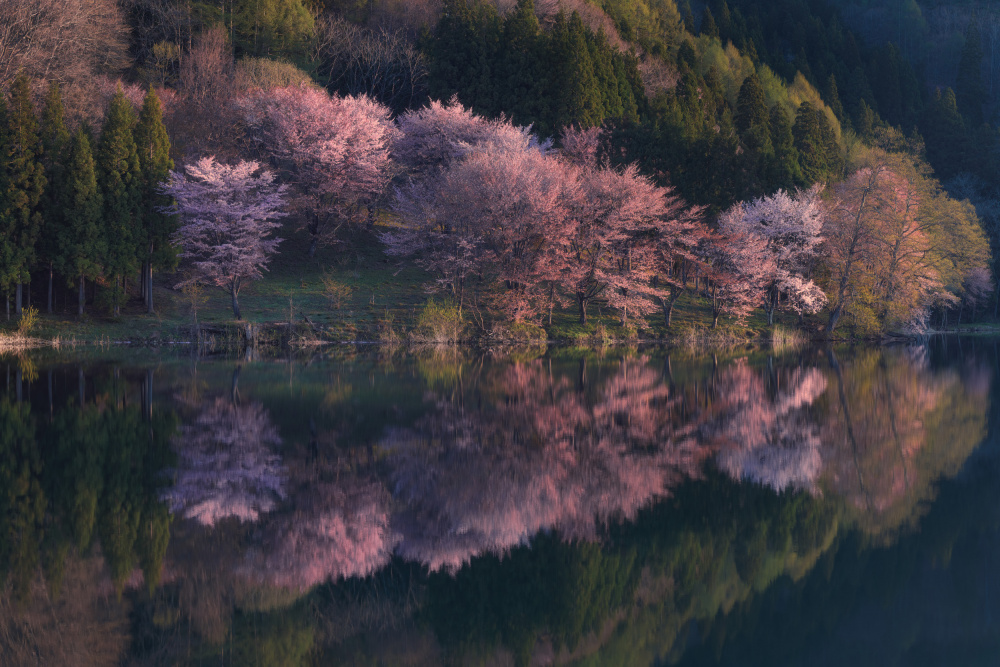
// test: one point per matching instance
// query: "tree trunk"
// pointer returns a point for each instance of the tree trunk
(18, 299)
(668, 311)
(834, 317)
(50, 289)
(149, 287)
(583, 309)
(236, 303)
(83, 296)
(715, 320)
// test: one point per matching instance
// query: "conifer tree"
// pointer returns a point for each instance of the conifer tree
(153, 147)
(579, 97)
(121, 188)
(55, 151)
(23, 185)
(708, 27)
(833, 97)
(809, 142)
(520, 69)
(970, 93)
(784, 171)
(751, 109)
(81, 243)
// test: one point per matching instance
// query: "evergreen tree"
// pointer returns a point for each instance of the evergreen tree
(833, 97)
(81, 244)
(970, 93)
(55, 150)
(945, 135)
(751, 109)
(23, 185)
(121, 188)
(813, 137)
(784, 171)
(153, 147)
(578, 100)
(708, 27)
(521, 75)
(687, 16)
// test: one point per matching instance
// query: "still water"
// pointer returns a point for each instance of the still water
(630, 507)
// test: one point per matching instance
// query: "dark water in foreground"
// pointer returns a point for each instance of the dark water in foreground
(819, 507)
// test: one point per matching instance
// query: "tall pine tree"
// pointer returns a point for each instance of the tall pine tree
(55, 150)
(121, 189)
(153, 147)
(82, 243)
(23, 185)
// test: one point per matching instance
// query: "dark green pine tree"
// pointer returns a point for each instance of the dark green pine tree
(602, 58)
(832, 97)
(808, 136)
(121, 187)
(521, 75)
(751, 109)
(970, 93)
(577, 93)
(708, 27)
(55, 152)
(945, 135)
(23, 185)
(82, 245)
(463, 54)
(784, 171)
(153, 147)
(687, 16)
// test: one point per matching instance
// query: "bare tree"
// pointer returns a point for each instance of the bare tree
(65, 40)
(380, 63)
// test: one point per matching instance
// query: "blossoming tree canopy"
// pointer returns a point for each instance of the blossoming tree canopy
(229, 214)
(792, 227)
(333, 150)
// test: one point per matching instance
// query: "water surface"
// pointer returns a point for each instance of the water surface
(630, 507)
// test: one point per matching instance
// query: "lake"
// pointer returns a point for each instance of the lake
(365, 506)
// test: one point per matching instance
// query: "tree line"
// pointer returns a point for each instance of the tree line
(80, 206)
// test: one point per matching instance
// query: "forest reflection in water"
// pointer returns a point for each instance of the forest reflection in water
(447, 506)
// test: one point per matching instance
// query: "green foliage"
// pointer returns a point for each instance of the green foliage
(121, 183)
(439, 322)
(22, 182)
(55, 158)
(28, 320)
(153, 152)
(272, 28)
(566, 75)
(82, 245)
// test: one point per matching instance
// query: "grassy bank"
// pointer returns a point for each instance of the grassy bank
(370, 300)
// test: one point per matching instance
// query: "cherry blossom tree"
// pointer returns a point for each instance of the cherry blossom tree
(334, 150)
(792, 227)
(613, 253)
(486, 205)
(432, 137)
(738, 269)
(228, 215)
(580, 146)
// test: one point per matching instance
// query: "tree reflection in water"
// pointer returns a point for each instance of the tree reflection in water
(227, 464)
(537, 454)
(529, 495)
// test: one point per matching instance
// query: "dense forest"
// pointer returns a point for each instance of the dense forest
(522, 158)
